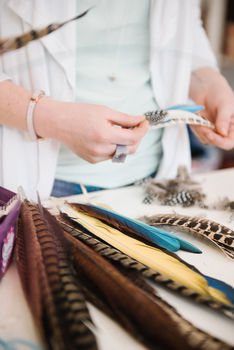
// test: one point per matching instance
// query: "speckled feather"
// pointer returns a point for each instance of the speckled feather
(218, 233)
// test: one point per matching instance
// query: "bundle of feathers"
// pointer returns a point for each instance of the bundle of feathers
(182, 190)
(63, 263)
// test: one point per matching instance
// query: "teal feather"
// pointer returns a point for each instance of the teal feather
(155, 235)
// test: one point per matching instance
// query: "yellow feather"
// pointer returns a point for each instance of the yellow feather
(148, 255)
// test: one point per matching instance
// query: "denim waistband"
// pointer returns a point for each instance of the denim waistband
(64, 189)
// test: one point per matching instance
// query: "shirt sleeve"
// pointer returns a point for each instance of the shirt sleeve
(203, 55)
(4, 76)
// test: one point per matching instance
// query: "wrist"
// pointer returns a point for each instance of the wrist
(46, 119)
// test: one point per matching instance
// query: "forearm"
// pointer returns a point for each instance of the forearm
(14, 101)
(88, 130)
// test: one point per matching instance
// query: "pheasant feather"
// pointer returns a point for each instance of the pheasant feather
(49, 281)
(128, 262)
(219, 234)
(119, 293)
(156, 259)
(15, 43)
(195, 338)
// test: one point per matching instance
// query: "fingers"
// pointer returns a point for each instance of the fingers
(129, 137)
(100, 151)
(208, 136)
(125, 120)
(223, 120)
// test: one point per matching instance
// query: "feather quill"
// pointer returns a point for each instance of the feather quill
(155, 258)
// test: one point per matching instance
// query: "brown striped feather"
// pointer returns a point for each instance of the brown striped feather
(15, 43)
(218, 233)
(64, 308)
(195, 336)
(121, 258)
(149, 319)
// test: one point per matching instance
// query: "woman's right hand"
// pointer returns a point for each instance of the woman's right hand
(90, 131)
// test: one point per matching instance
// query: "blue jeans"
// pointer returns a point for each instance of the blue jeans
(64, 189)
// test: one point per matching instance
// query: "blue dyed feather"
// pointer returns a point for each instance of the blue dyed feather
(153, 234)
(188, 108)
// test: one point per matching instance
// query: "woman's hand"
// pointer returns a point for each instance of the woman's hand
(90, 131)
(209, 88)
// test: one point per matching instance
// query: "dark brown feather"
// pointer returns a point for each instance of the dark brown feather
(64, 313)
(128, 262)
(149, 319)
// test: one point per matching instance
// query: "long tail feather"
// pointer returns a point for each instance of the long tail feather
(120, 293)
(62, 310)
(194, 336)
(222, 292)
(22, 40)
(128, 262)
(157, 236)
(219, 234)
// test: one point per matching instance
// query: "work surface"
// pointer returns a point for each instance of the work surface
(16, 320)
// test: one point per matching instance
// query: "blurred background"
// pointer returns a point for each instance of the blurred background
(218, 21)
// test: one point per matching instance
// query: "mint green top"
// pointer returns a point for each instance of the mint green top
(113, 40)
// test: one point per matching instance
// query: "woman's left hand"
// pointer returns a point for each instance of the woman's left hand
(210, 89)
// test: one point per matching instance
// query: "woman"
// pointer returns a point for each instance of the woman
(119, 61)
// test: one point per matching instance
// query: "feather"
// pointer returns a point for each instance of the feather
(155, 258)
(22, 40)
(162, 118)
(120, 258)
(49, 281)
(188, 108)
(151, 322)
(221, 235)
(194, 336)
(180, 190)
(161, 238)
